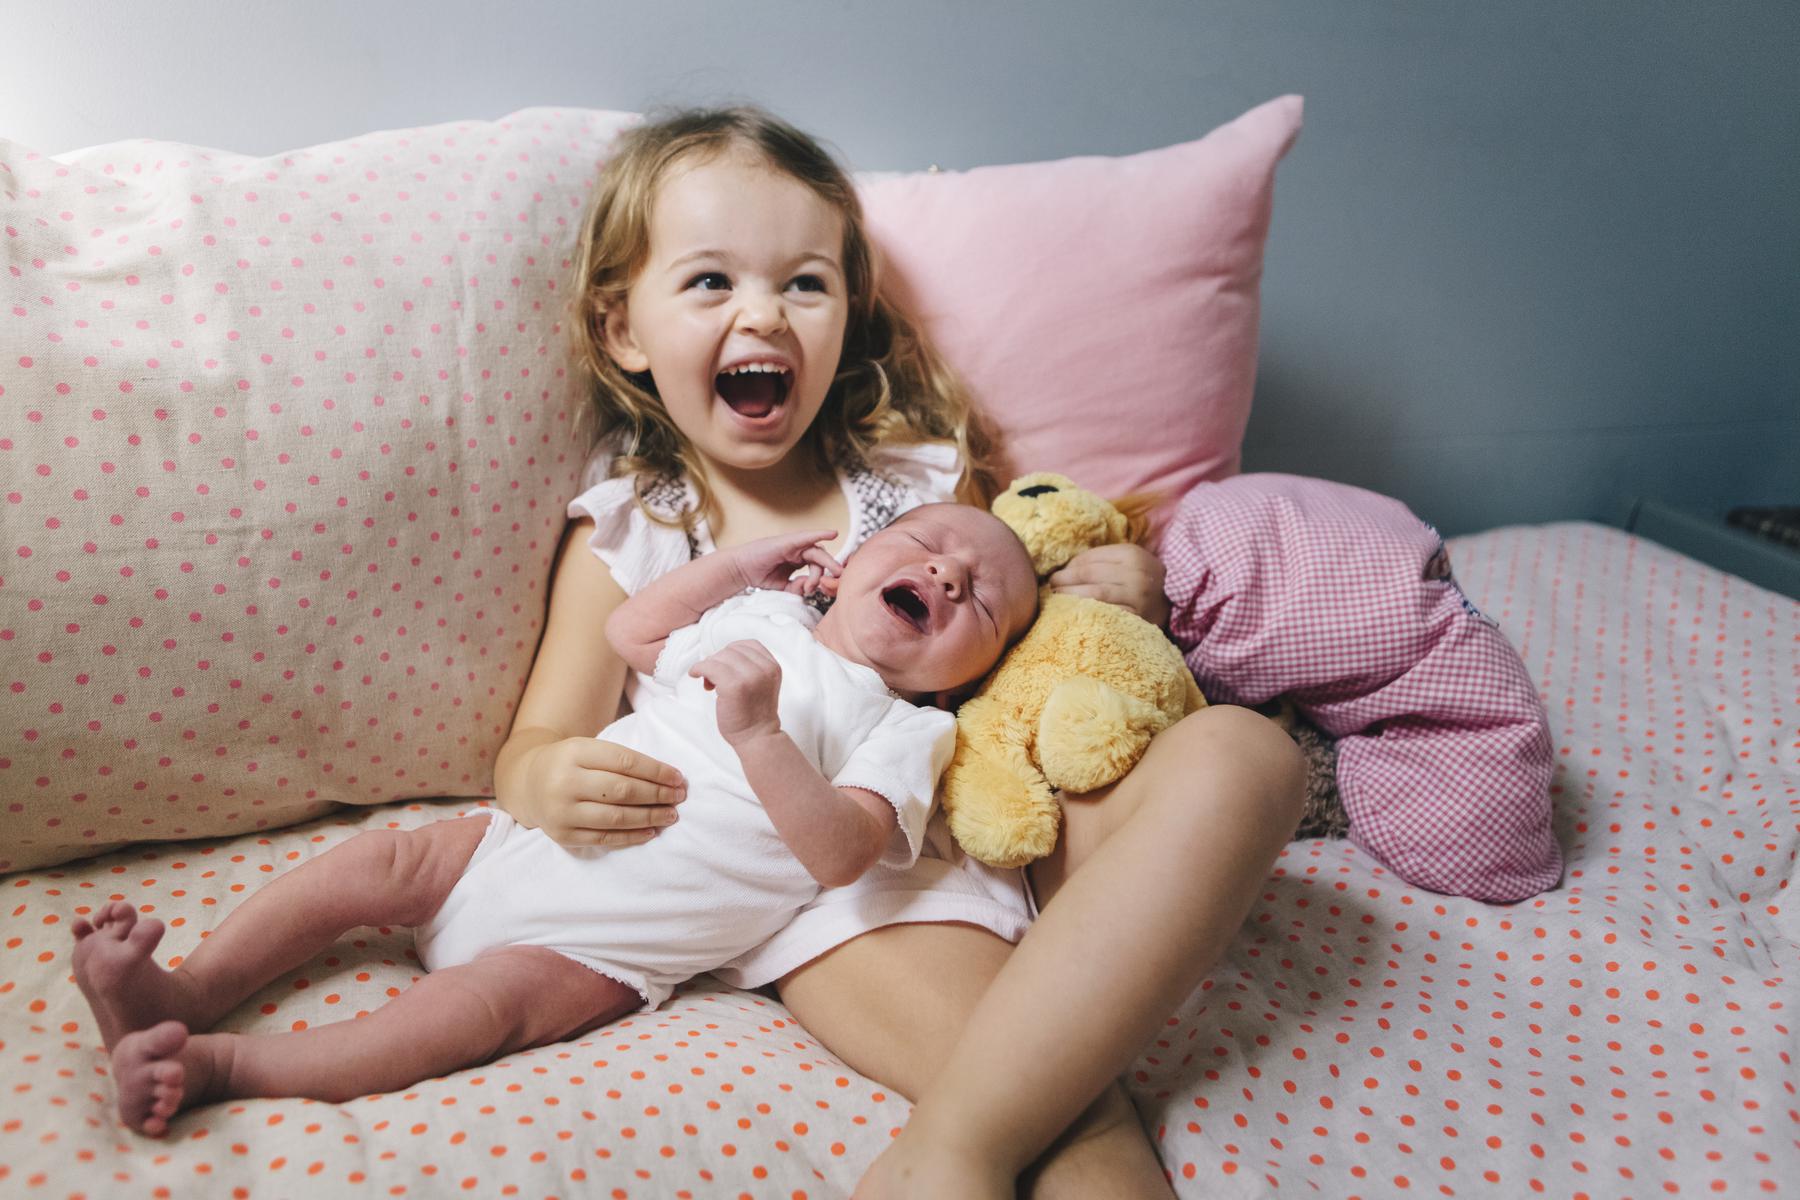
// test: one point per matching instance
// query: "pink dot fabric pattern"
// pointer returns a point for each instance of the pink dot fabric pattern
(1343, 600)
(286, 449)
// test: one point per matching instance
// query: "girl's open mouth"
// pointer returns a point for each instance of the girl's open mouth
(905, 602)
(753, 390)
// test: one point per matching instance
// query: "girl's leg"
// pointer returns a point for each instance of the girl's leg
(506, 1000)
(1148, 885)
(893, 1002)
(382, 877)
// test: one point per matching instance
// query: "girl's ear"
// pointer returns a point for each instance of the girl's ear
(621, 347)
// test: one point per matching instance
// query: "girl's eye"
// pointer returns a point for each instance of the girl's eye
(808, 283)
(710, 281)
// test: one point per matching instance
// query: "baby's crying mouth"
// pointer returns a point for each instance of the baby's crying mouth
(907, 602)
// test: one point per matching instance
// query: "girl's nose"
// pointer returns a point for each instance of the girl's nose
(761, 313)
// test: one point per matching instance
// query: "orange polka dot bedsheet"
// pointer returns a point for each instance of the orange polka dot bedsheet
(1630, 1033)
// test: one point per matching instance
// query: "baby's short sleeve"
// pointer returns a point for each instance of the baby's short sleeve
(901, 760)
(634, 548)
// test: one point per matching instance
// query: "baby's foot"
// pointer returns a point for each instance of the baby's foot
(123, 985)
(151, 1077)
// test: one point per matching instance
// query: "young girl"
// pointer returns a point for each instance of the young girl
(750, 379)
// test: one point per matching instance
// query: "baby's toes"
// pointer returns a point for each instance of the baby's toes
(117, 919)
(145, 934)
(150, 1077)
(167, 1085)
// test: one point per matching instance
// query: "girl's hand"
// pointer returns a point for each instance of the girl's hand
(586, 792)
(748, 680)
(1126, 574)
(771, 562)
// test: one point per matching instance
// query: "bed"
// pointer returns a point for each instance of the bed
(1627, 1033)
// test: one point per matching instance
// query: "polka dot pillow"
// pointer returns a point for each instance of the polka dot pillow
(282, 472)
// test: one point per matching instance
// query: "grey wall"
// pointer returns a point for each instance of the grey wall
(1527, 255)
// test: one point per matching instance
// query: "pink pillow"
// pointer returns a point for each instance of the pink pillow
(1343, 601)
(1103, 310)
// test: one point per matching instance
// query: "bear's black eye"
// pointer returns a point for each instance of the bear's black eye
(1038, 489)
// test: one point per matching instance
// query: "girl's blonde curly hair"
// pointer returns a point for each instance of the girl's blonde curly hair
(891, 386)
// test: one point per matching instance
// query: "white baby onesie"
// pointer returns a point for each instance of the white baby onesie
(720, 880)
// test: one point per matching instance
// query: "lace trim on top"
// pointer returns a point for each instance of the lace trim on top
(669, 498)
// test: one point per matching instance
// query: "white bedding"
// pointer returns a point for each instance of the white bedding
(1630, 1033)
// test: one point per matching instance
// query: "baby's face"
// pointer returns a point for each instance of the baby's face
(933, 600)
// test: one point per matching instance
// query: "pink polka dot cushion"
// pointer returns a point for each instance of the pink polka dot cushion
(283, 467)
(1103, 310)
(1342, 600)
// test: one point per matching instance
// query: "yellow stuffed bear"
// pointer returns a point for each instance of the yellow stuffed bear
(1074, 703)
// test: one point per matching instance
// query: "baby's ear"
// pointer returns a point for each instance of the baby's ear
(621, 346)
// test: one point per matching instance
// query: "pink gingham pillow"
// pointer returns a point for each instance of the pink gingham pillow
(1343, 600)
(282, 472)
(1103, 310)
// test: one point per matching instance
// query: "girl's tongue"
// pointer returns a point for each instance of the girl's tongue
(752, 393)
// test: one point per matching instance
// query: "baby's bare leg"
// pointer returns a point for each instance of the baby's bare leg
(383, 877)
(506, 1000)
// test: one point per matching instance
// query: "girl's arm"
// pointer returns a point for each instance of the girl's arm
(1125, 574)
(836, 833)
(552, 773)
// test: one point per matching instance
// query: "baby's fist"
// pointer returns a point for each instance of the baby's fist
(748, 681)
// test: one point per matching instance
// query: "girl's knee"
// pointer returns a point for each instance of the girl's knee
(1243, 757)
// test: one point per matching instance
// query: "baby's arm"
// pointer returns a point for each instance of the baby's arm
(640, 627)
(837, 833)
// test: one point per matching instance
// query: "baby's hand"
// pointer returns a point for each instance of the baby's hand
(748, 680)
(771, 562)
(586, 792)
(1126, 574)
